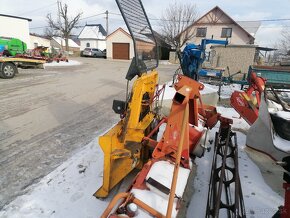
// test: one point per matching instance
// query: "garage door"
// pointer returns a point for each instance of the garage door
(121, 51)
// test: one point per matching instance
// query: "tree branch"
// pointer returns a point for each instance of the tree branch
(175, 22)
(65, 25)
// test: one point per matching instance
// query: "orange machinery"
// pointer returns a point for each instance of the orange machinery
(184, 136)
(247, 103)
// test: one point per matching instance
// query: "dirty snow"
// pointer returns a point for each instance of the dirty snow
(283, 114)
(164, 62)
(68, 190)
(273, 106)
(238, 122)
(226, 90)
(62, 63)
(162, 172)
(170, 90)
(260, 200)
(281, 144)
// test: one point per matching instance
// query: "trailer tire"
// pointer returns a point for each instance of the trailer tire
(8, 70)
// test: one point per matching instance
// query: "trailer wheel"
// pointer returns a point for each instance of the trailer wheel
(8, 70)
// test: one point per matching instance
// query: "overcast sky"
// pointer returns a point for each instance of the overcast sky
(240, 10)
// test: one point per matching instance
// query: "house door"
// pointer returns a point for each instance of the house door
(121, 51)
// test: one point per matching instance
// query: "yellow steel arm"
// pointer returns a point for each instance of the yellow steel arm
(122, 144)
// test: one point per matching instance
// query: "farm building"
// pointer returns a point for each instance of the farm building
(37, 40)
(217, 24)
(15, 27)
(120, 45)
(58, 43)
(93, 36)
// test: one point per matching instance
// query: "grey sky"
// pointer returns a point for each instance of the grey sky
(244, 10)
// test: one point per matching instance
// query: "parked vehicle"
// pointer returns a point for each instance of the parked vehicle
(93, 52)
(12, 46)
(9, 65)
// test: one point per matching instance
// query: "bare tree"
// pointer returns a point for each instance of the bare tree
(284, 43)
(175, 22)
(283, 46)
(50, 32)
(64, 24)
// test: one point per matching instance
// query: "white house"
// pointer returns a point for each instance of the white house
(217, 24)
(36, 40)
(15, 27)
(58, 43)
(120, 45)
(93, 36)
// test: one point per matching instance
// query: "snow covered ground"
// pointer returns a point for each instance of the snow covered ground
(170, 91)
(226, 90)
(164, 62)
(68, 190)
(62, 63)
(260, 200)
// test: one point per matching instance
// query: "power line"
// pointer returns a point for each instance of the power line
(114, 13)
(159, 19)
(244, 26)
(266, 20)
(107, 21)
(38, 9)
(39, 27)
(92, 16)
(270, 27)
(261, 27)
(262, 20)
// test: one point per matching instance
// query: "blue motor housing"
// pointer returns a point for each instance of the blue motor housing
(191, 59)
(193, 56)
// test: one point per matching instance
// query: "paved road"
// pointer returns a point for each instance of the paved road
(48, 115)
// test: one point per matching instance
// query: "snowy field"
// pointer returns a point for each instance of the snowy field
(62, 63)
(68, 190)
(226, 90)
(260, 200)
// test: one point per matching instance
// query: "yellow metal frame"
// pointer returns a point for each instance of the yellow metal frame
(4, 59)
(122, 146)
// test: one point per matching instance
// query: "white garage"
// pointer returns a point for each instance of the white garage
(120, 45)
(15, 27)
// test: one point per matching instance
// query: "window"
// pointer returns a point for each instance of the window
(226, 32)
(35, 45)
(88, 44)
(201, 32)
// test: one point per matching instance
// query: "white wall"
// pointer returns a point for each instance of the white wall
(100, 44)
(40, 41)
(93, 43)
(239, 37)
(15, 28)
(214, 21)
(119, 37)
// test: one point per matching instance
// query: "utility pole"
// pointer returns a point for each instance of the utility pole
(59, 21)
(107, 21)
(58, 10)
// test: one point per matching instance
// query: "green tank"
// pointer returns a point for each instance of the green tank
(13, 46)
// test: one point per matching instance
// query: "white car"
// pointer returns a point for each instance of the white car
(93, 52)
